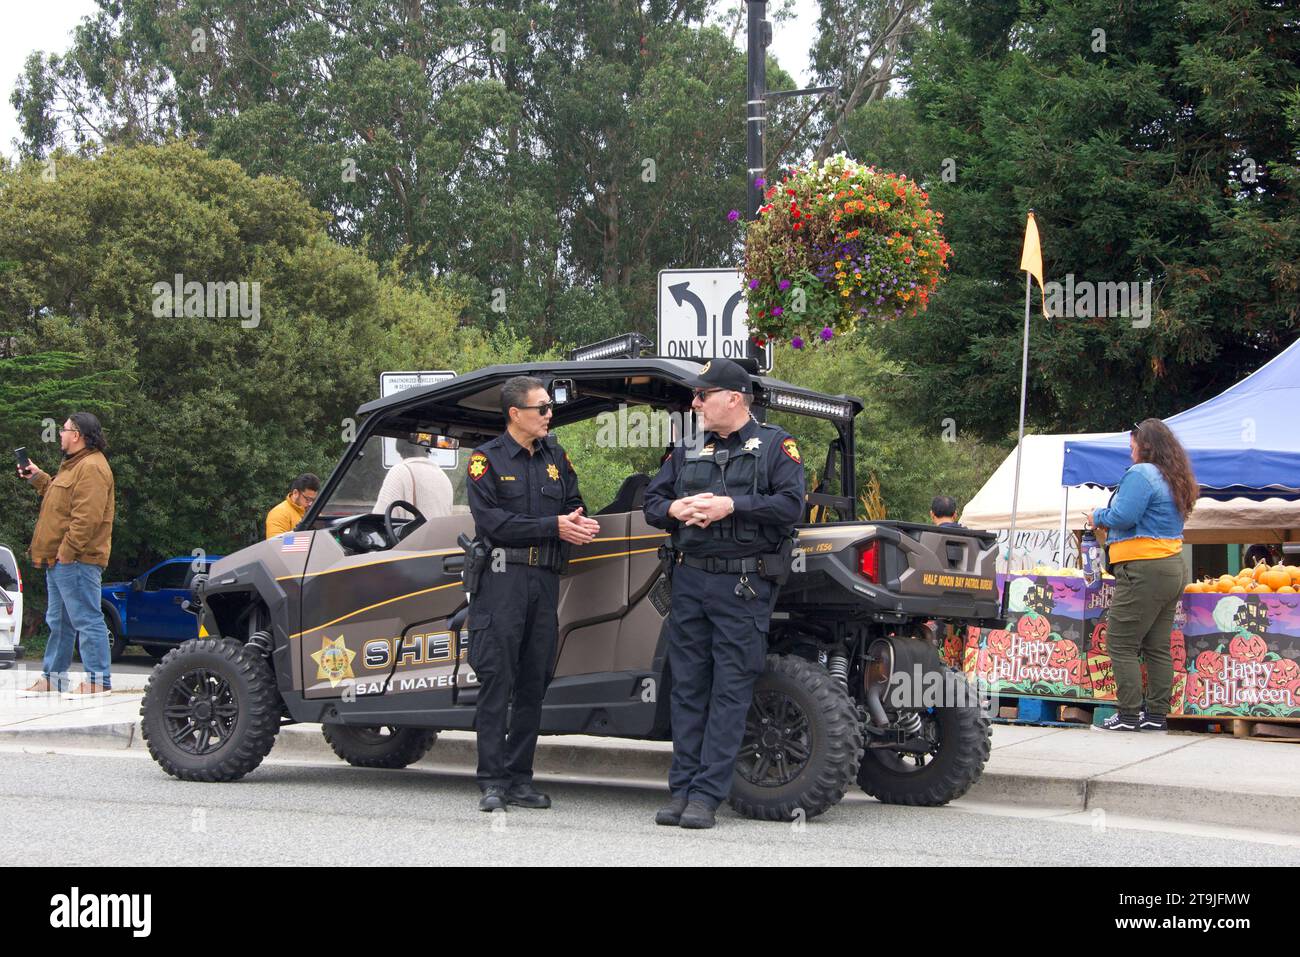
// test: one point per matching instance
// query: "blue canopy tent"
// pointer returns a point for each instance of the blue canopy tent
(1243, 443)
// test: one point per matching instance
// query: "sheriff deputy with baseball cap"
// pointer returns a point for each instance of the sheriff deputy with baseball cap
(730, 496)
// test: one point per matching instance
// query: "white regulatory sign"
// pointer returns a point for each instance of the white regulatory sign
(702, 315)
(391, 383)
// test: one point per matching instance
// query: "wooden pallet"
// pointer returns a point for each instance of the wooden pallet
(1259, 729)
(1052, 712)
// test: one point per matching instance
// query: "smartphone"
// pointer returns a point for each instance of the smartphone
(20, 456)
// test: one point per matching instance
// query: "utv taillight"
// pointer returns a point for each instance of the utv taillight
(869, 563)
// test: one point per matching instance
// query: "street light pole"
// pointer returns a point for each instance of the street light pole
(760, 35)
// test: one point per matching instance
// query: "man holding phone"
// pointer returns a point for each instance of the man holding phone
(71, 542)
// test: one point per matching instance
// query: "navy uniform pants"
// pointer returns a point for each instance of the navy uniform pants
(717, 642)
(512, 636)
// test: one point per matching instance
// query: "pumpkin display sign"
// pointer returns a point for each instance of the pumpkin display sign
(1231, 654)
(1244, 653)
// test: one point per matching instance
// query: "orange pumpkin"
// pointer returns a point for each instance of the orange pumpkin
(1194, 588)
(1285, 590)
(1225, 583)
(1260, 569)
(1276, 578)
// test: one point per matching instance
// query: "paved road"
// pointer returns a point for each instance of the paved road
(119, 808)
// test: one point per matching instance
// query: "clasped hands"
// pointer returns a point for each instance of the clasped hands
(702, 509)
(577, 528)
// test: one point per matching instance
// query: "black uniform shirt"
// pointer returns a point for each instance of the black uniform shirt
(782, 506)
(515, 497)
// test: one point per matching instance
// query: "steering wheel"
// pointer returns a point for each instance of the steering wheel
(390, 532)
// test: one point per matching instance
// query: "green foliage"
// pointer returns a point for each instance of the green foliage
(1138, 160)
(208, 420)
(546, 160)
(912, 465)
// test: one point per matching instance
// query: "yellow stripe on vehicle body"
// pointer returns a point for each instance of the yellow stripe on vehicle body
(380, 604)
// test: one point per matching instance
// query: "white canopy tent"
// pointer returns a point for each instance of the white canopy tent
(1044, 505)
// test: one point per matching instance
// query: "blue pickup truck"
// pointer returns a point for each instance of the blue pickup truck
(149, 610)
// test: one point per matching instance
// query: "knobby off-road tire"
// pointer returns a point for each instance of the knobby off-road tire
(383, 747)
(211, 710)
(964, 737)
(805, 757)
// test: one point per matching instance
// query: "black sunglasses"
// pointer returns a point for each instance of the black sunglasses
(704, 393)
(540, 409)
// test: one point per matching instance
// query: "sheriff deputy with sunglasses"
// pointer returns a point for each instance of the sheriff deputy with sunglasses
(523, 494)
(731, 499)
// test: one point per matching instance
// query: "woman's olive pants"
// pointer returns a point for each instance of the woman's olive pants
(1139, 623)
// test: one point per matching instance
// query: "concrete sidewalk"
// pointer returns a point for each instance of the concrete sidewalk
(1175, 777)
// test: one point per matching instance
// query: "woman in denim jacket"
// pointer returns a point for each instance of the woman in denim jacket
(1144, 523)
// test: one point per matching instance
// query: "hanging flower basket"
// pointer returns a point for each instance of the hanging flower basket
(837, 244)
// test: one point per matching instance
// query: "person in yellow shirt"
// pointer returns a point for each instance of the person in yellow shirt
(286, 516)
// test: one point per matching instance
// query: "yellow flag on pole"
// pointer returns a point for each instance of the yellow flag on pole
(1031, 258)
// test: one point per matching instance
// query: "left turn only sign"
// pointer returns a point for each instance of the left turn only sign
(702, 315)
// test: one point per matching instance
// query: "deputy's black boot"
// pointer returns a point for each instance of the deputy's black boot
(525, 795)
(670, 814)
(698, 816)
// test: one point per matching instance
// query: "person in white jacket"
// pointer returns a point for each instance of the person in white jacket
(421, 482)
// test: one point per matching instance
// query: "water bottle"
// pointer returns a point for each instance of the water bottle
(1091, 556)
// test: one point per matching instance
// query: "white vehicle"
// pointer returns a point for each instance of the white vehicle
(11, 607)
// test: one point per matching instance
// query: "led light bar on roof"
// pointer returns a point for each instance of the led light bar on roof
(827, 408)
(627, 346)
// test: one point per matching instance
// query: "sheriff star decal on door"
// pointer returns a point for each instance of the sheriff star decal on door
(333, 661)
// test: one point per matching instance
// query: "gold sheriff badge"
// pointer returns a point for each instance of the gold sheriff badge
(333, 661)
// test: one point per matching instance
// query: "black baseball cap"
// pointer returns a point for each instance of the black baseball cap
(723, 374)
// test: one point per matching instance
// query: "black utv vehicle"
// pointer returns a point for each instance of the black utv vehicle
(355, 620)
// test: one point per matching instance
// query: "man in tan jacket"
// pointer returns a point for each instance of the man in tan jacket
(73, 537)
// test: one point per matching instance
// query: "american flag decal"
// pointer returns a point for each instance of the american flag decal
(296, 542)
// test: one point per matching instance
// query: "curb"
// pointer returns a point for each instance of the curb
(456, 752)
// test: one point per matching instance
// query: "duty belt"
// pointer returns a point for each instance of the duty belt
(546, 555)
(711, 563)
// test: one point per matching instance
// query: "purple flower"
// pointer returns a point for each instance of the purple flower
(777, 310)
(760, 182)
(733, 216)
(827, 334)
(879, 300)
(783, 285)
(753, 284)
(797, 342)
